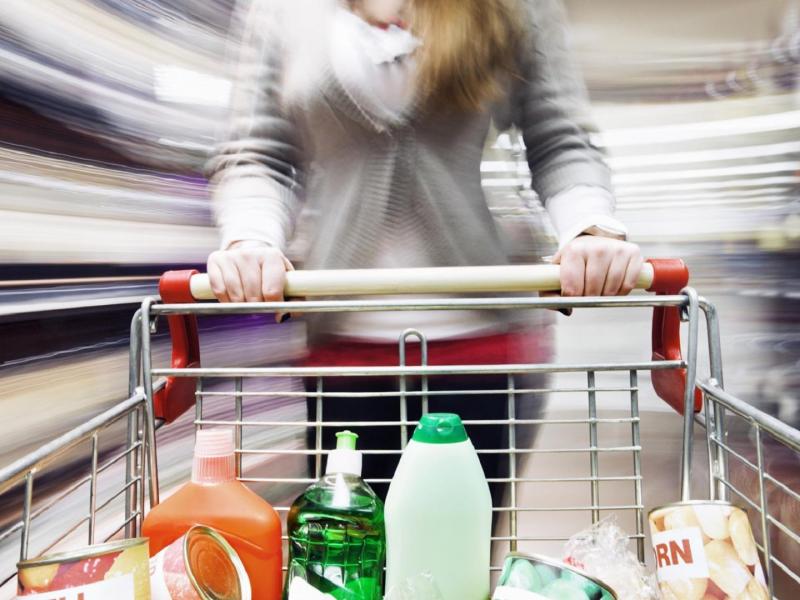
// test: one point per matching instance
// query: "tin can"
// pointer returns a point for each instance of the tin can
(200, 565)
(706, 550)
(116, 570)
(532, 577)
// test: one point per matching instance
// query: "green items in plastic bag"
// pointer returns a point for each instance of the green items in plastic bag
(527, 577)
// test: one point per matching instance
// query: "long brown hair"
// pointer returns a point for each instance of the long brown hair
(469, 46)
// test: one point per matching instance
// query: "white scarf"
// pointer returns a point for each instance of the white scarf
(375, 66)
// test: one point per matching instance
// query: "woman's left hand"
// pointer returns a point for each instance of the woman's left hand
(598, 266)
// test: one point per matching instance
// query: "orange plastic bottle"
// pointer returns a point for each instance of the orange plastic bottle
(216, 499)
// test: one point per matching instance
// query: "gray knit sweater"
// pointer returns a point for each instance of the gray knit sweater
(365, 181)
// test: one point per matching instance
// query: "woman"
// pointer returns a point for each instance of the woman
(375, 112)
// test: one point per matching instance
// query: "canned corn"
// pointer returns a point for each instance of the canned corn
(706, 550)
(116, 570)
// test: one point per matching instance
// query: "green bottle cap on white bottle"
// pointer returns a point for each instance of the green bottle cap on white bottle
(345, 458)
(440, 428)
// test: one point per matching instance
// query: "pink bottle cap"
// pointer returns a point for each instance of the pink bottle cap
(214, 456)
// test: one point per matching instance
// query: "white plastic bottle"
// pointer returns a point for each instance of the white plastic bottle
(439, 513)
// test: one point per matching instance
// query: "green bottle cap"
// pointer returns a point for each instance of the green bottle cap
(346, 440)
(440, 428)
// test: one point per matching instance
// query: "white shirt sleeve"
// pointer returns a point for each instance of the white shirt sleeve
(584, 209)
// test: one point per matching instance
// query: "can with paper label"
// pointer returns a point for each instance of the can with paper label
(199, 565)
(117, 570)
(706, 550)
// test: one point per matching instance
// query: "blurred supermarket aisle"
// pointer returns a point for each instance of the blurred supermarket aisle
(101, 186)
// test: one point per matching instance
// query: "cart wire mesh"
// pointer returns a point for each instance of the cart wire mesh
(281, 451)
(590, 458)
(755, 463)
(105, 499)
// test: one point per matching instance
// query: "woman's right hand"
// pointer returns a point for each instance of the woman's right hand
(248, 271)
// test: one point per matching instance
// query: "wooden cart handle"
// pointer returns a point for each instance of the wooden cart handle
(380, 282)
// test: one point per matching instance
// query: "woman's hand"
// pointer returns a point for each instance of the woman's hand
(598, 266)
(248, 272)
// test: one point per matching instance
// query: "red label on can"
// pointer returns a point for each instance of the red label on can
(168, 577)
(679, 554)
(113, 570)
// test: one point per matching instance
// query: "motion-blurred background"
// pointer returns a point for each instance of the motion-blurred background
(108, 109)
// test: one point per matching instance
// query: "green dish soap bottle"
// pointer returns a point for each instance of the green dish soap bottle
(337, 538)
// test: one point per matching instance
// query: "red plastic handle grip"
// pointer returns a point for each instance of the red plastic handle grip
(177, 396)
(670, 276)
(175, 287)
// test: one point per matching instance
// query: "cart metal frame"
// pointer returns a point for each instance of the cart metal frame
(151, 385)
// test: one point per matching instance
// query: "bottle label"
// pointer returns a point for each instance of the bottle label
(118, 588)
(300, 589)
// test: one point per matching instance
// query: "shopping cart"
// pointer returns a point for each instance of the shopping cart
(113, 486)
